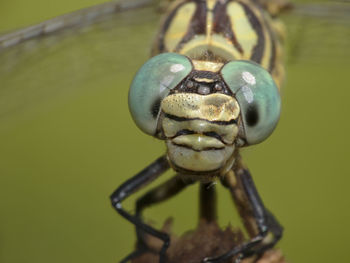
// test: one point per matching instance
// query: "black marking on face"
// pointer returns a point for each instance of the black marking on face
(252, 115)
(197, 175)
(206, 75)
(189, 132)
(258, 50)
(183, 132)
(195, 150)
(179, 119)
(192, 83)
(156, 107)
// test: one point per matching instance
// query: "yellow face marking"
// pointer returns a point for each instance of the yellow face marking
(242, 28)
(199, 161)
(179, 25)
(213, 107)
(198, 142)
(207, 65)
(198, 151)
(204, 80)
(228, 133)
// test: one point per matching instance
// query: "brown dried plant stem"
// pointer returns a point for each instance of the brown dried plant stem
(208, 239)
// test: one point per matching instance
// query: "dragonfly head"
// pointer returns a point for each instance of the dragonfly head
(204, 110)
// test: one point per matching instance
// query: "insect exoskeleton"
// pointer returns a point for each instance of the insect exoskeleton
(204, 110)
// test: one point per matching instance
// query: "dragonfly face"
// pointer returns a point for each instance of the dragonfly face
(58, 67)
(200, 130)
(202, 104)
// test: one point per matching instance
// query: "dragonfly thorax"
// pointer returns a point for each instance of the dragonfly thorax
(222, 31)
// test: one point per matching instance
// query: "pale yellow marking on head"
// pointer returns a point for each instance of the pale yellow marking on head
(198, 142)
(204, 80)
(213, 107)
(207, 65)
(198, 161)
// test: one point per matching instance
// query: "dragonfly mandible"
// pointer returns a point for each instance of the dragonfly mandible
(17, 49)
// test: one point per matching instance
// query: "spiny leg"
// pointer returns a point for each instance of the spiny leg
(159, 194)
(134, 254)
(257, 219)
(241, 201)
(207, 200)
(265, 220)
(140, 180)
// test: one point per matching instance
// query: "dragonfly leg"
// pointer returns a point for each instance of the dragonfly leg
(258, 221)
(207, 199)
(140, 180)
(159, 194)
(134, 254)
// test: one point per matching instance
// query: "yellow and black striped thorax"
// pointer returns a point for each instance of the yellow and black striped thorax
(221, 31)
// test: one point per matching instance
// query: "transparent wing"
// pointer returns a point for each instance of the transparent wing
(102, 51)
(76, 19)
(103, 46)
(319, 32)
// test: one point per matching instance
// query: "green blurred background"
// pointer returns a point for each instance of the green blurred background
(67, 141)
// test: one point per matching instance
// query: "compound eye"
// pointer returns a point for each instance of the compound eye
(258, 98)
(151, 84)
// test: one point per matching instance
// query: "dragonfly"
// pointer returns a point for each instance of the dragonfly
(18, 48)
(217, 91)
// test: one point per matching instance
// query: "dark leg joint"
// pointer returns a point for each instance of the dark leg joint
(258, 220)
(140, 180)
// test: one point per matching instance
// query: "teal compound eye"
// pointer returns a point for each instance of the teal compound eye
(257, 96)
(151, 84)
